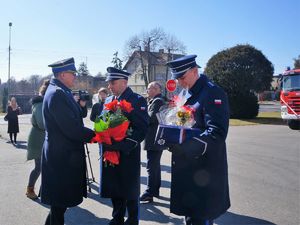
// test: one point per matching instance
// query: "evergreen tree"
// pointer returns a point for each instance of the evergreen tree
(297, 62)
(116, 61)
(83, 70)
(242, 71)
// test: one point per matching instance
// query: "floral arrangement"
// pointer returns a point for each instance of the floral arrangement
(112, 126)
(176, 123)
(177, 113)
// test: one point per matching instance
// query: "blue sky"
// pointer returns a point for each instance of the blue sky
(92, 30)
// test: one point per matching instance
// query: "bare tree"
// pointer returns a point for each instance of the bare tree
(172, 45)
(34, 80)
(147, 42)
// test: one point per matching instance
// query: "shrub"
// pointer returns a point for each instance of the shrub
(243, 106)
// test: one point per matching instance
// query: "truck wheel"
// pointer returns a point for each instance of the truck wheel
(294, 124)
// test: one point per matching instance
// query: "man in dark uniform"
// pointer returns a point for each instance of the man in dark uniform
(199, 188)
(121, 183)
(63, 157)
(153, 151)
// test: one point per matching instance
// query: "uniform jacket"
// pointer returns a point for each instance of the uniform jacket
(123, 180)
(63, 156)
(154, 106)
(36, 135)
(200, 176)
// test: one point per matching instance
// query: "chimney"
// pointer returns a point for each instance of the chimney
(161, 51)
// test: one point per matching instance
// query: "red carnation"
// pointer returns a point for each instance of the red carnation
(125, 106)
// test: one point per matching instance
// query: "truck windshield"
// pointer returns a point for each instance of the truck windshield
(291, 83)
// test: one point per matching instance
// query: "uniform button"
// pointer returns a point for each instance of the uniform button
(173, 162)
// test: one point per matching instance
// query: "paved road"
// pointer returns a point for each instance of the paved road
(264, 173)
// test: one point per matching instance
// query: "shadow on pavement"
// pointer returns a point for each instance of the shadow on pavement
(164, 183)
(150, 212)
(230, 218)
(78, 216)
(163, 167)
(21, 145)
(96, 197)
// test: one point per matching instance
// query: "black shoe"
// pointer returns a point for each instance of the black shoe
(116, 222)
(146, 198)
(131, 222)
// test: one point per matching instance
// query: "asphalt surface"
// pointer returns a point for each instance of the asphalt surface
(264, 174)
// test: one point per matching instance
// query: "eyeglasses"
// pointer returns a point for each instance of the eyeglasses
(183, 77)
(72, 72)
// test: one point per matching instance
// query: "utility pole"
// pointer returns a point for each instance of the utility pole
(9, 49)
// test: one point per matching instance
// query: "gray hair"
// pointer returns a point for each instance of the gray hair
(156, 84)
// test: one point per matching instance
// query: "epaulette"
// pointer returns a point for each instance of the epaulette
(58, 88)
(210, 84)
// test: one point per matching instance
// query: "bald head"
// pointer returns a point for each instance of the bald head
(154, 88)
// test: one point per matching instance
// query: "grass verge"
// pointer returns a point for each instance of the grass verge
(272, 118)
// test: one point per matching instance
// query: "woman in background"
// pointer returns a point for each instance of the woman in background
(98, 107)
(36, 139)
(13, 110)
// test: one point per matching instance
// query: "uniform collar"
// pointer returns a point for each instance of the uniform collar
(199, 84)
(125, 94)
(157, 96)
(56, 82)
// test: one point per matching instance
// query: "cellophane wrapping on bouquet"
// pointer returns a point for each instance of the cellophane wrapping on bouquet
(175, 123)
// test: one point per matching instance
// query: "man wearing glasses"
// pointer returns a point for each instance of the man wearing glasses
(63, 157)
(199, 187)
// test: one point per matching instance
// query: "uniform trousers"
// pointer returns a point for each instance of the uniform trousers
(119, 209)
(197, 221)
(56, 216)
(154, 172)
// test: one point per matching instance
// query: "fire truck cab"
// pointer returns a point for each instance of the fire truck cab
(290, 97)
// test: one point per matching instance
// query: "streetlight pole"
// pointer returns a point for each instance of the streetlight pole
(9, 49)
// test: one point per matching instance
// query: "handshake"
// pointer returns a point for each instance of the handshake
(125, 145)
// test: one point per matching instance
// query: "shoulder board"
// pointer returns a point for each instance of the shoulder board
(58, 88)
(210, 84)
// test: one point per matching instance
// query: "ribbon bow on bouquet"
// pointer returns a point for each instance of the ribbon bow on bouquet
(112, 126)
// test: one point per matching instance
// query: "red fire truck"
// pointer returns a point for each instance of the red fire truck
(290, 97)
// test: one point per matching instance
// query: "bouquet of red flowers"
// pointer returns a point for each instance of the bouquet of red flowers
(112, 126)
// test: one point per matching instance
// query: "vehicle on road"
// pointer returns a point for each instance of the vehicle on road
(290, 97)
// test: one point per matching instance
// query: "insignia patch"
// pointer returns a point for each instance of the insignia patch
(161, 142)
(218, 101)
(143, 108)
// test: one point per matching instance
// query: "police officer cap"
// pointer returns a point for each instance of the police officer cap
(181, 65)
(115, 74)
(63, 66)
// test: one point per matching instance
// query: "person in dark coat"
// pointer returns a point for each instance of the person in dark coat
(121, 183)
(64, 181)
(13, 110)
(199, 185)
(82, 104)
(153, 151)
(98, 106)
(36, 139)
